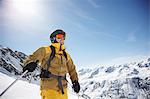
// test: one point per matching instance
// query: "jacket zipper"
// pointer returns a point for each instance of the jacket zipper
(61, 59)
(61, 62)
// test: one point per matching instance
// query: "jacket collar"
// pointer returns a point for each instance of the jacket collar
(58, 47)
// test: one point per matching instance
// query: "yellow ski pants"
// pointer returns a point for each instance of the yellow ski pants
(53, 94)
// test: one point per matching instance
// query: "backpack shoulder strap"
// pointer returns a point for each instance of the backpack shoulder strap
(52, 55)
(65, 54)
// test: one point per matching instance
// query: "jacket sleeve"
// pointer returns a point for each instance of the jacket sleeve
(37, 55)
(72, 69)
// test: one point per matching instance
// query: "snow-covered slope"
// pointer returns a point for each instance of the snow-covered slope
(128, 81)
(22, 89)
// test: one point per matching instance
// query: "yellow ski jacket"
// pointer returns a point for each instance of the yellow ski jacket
(59, 66)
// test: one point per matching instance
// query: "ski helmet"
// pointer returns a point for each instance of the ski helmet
(53, 35)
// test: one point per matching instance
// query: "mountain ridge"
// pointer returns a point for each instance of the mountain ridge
(126, 81)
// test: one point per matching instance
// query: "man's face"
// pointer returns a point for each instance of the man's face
(60, 38)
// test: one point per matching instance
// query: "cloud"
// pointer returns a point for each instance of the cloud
(83, 14)
(78, 11)
(149, 48)
(108, 35)
(132, 35)
(93, 3)
(128, 59)
(112, 36)
(149, 43)
(118, 60)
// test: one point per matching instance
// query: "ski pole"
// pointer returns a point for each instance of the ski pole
(14, 82)
(78, 96)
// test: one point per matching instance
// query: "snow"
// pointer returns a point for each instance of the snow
(126, 81)
(23, 89)
(13, 61)
(129, 81)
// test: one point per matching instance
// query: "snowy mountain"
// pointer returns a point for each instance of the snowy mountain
(11, 61)
(126, 81)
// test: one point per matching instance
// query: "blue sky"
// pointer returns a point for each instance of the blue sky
(98, 31)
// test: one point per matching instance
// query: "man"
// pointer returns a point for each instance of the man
(55, 63)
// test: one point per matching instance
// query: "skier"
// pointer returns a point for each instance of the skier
(55, 63)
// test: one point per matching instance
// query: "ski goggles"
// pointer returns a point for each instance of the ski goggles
(60, 36)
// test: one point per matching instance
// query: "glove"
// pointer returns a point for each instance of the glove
(76, 86)
(44, 74)
(30, 67)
